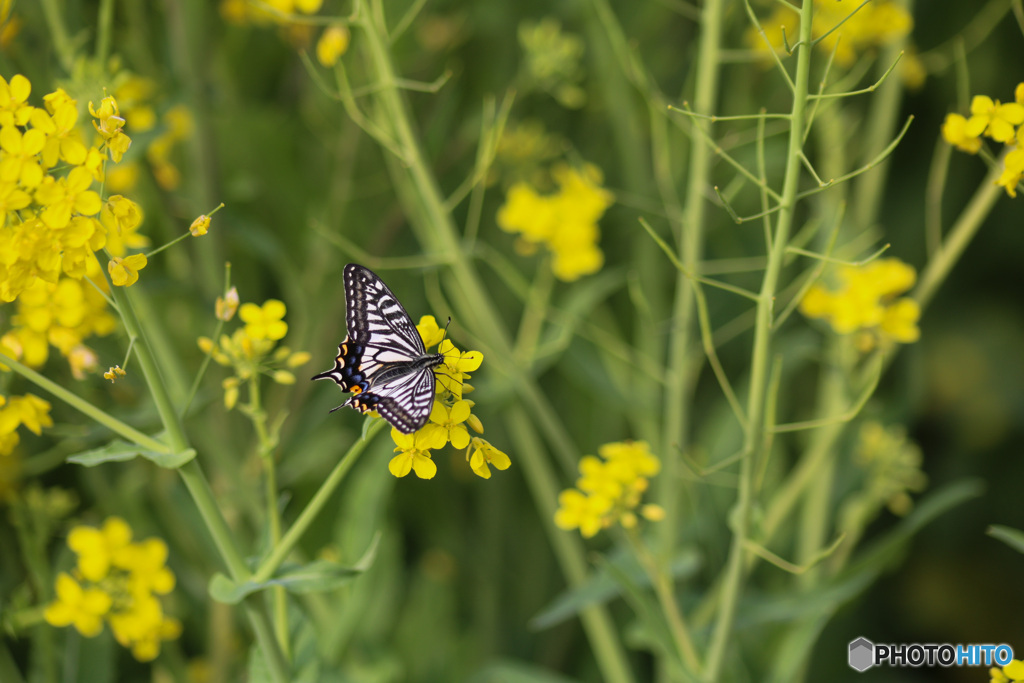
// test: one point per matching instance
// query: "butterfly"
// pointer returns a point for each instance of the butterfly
(382, 361)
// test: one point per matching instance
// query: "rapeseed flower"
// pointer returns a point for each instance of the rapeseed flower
(250, 350)
(264, 322)
(28, 411)
(565, 221)
(450, 418)
(867, 302)
(124, 272)
(332, 45)
(610, 489)
(999, 122)
(872, 25)
(116, 580)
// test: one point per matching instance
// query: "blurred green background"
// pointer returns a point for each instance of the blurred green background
(464, 563)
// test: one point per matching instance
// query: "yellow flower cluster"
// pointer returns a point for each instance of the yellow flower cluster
(250, 349)
(27, 411)
(116, 580)
(565, 221)
(872, 25)
(996, 121)
(866, 302)
(449, 417)
(609, 489)
(1014, 671)
(893, 463)
(62, 314)
(52, 223)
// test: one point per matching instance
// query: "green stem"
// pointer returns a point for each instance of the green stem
(690, 238)
(291, 538)
(597, 624)
(754, 436)
(80, 404)
(960, 235)
(59, 33)
(426, 207)
(197, 484)
(8, 669)
(104, 22)
(266, 451)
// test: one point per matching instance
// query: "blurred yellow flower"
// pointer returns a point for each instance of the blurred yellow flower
(264, 322)
(332, 45)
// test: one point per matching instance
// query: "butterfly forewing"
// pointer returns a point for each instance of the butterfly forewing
(383, 362)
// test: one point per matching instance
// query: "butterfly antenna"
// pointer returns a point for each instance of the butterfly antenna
(444, 333)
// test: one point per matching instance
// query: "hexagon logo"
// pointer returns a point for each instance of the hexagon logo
(862, 654)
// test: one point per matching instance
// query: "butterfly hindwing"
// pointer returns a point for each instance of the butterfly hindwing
(383, 362)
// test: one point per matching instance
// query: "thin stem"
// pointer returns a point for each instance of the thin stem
(83, 406)
(196, 483)
(294, 534)
(960, 235)
(59, 33)
(754, 437)
(106, 18)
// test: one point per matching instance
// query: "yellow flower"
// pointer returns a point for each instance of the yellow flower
(264, 322)
(67, 195)
(484, 454)
(449, 422)
(113, 373)
(14, 109)
(63, 141)
(28, 411)
(200, 226)
(430, 333)
(414, 454)
(109, 124)
(99, 549)
(84, 608)
(120, 216)
(20, 163)
(954, 131)
(994, 119)
(332, 45)
(225, 307)
(124, 272)
(576, 510)
(1014, 671)
(454, 371)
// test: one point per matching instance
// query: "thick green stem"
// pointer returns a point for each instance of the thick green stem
(196, 483)
(691, 240)
(436, 229)
(754, 438)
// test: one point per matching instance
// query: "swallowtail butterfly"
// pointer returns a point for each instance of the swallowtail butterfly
(382, 361)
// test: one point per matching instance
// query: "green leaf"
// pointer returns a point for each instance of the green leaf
(1011, 537)
(119, 451)
(315, 577)
(603, 587)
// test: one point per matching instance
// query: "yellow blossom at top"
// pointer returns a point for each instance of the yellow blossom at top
(866, 301)
(124, 272)
(109, 124)
(848, 27)
(200, 226)
(332, 45)
(566, 221)
(14, 108)
(993, 118)
(264, 322)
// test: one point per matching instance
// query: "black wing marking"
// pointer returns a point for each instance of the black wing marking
(376, 319)
(382, 336)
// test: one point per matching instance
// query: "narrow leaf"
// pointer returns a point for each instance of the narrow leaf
(1011, 537)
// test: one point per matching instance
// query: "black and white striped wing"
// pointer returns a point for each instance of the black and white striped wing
(404, 402)
(378, 322)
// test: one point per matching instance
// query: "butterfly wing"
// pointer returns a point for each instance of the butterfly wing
(404, 402)
(381, 335)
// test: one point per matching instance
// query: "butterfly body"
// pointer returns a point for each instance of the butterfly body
(383, 362)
